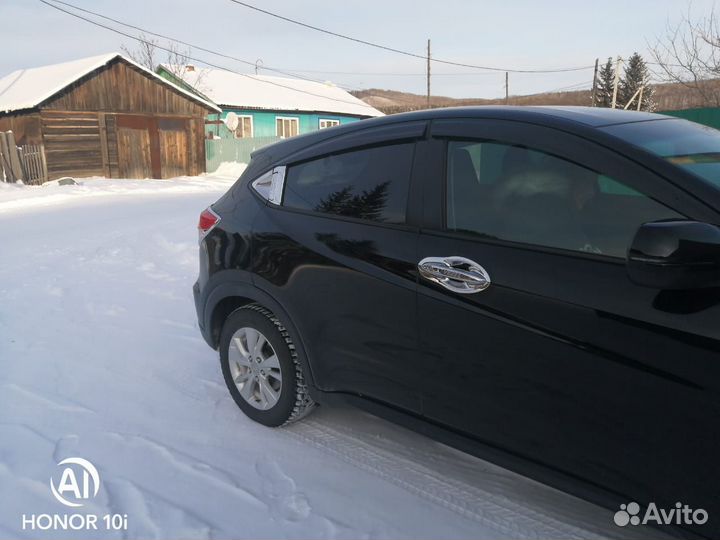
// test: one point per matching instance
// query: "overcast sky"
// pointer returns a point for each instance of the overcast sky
(518, 34)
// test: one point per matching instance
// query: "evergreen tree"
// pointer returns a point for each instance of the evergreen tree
(636, 76)
(606, 80)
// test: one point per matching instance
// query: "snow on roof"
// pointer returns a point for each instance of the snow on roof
(28, 88)
(230, 89)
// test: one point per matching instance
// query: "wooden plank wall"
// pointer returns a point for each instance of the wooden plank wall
(10, 157)
(79, 127)
(25, 127)
(134, 153)
(72, 143)
(86, 143)
(122, 88)
(173, 152)
(197, 145)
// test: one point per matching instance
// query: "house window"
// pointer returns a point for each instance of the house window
(244, 129)
(286, 126)
(326, 123)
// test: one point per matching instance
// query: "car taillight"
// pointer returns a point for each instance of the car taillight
(208, 220)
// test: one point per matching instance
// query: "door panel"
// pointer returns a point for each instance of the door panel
(350, 289)
(173, 152)
(153, 147)
(564, 361)
(569, 364)
(340, 256)
(134, 153)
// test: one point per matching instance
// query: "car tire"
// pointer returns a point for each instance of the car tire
(261, 368)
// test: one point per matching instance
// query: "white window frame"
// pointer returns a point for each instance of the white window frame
(241, 117)
(329, 122)
(295, 119)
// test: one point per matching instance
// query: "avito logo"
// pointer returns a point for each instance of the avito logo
(681, 514)
(79, 482)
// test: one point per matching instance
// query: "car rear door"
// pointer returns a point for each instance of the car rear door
(339, 254)
(553, 354)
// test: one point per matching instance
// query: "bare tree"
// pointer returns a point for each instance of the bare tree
(689, 54)
(177, 59)
(145, 53)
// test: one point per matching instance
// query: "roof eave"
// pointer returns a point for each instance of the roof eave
(23, 110)
(306, 111)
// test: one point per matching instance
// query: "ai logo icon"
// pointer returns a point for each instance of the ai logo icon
(79, 482)
(74, 484)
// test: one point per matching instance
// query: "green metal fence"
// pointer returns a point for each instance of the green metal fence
(218, 151)
(708, 116)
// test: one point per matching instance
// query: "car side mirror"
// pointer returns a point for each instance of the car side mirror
(675, 255)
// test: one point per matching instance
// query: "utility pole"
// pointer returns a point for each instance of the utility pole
(640, 97)
(594, 88)
(507, 89)
(428, 75)
(617, 80)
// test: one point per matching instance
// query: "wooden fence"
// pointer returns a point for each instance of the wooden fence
(32, 157)
(26, 163)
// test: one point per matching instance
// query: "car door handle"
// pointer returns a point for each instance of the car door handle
(456, 274)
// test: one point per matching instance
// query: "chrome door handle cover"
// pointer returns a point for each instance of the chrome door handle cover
(456, 274)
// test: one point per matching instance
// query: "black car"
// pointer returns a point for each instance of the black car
(537, 286)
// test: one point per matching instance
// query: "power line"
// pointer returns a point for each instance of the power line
(399, 51)
(210, 51)
(181, 42)
(130, 36)
(292, 73)
(285, 72)
(578, 86)
(393, 73)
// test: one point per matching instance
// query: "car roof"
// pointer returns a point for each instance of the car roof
(590, 116)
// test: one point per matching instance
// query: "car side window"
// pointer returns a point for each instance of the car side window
(371, 183)
(523, 195)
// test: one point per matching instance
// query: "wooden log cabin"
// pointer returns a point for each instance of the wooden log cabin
(106, 116)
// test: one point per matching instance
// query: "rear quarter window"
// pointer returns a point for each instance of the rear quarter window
(370, 184)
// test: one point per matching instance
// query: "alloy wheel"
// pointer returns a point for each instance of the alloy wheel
(255, 368)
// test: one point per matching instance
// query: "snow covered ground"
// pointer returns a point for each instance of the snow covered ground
(101, 358)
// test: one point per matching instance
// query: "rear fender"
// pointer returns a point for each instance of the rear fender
(242, 288)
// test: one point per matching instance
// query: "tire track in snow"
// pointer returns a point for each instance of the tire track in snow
(489, 509)
(404, 475)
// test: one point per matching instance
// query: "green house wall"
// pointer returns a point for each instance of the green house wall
(264, 121)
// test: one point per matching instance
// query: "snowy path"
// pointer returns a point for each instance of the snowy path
(101, 358)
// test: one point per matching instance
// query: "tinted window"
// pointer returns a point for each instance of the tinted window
(522, 195)
(366, 184)
(686, 144)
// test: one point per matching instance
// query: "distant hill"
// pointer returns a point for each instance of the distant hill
(668, 97)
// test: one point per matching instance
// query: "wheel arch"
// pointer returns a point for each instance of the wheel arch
(228, 297)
